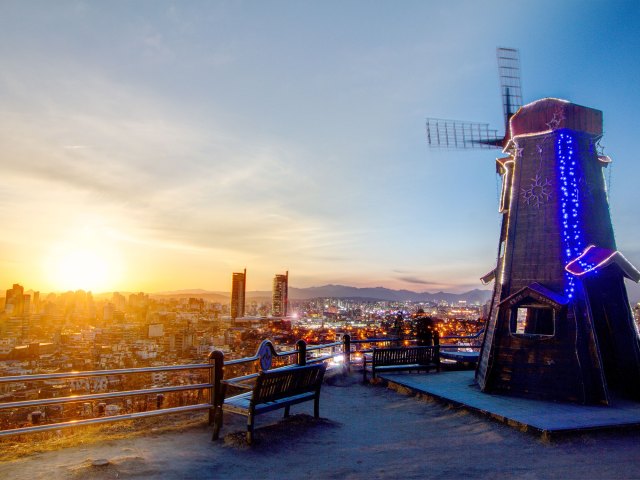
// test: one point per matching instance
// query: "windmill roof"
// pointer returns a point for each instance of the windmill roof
(596, 258)
(537, 291)
(549, 114)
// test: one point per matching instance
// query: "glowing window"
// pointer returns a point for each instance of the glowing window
(533, 320)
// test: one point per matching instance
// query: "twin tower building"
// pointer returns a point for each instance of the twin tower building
(279, 296)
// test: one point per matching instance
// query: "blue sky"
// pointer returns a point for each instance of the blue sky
(172, 143)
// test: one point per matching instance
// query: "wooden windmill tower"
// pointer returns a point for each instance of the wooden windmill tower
(560, 326)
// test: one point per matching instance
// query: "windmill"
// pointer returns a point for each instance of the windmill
(462, 134)
(560, 326)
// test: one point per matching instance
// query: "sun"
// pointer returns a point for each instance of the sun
(83, 263)
(82, 270)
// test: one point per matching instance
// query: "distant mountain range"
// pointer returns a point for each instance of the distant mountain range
(342, 291)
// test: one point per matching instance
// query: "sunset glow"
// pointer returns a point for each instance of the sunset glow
(87, 260)
(198, 139)
(82, 269)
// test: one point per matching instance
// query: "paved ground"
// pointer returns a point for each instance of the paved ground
(366, 432)
(551, 417)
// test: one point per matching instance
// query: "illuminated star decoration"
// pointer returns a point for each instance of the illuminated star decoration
(537, 192)
(556, 121)
(517, 151)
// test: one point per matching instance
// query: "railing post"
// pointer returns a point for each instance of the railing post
(346, 348)
(216, 372)
(436, 348)
(301, 346)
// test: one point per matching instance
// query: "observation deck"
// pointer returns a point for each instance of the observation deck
(433, 425)
(365, 431)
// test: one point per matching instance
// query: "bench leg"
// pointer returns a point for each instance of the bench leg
(316, 406)
(217, 423)
(250, 429)
(286, 411)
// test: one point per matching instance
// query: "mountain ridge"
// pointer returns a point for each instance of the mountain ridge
(345, 291)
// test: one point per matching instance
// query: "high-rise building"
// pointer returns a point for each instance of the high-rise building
(36, 302)
(238, 287)
(119, 301)
(280, 297)
(107, 313)
(14, 301)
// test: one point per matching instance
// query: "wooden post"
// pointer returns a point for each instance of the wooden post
(216, 358)
(436, 349)
(301, 346)
(346, 347)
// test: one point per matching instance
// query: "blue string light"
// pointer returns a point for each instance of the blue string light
(572, 236)
(569, 204)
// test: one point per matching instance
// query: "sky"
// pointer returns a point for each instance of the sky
(158, 145)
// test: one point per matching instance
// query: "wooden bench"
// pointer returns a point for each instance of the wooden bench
(401, 358)
(273, 389)
(470, 358)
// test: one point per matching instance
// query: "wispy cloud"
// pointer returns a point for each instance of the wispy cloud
(418, 281)
(170, 182)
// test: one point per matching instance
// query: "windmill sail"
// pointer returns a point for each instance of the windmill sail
(510, 88)
(469, 135)
(461, 135)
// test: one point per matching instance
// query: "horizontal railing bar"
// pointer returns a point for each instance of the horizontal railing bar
(475, 335)
(250, 376)
(376, 340)
(320, 347)
(321, 359)
(97, 373)
(460, 346)
(369, 350)
(114, 418)
(98, 396)
(238, 361)
(287, 353)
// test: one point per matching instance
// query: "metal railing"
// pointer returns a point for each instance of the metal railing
(212, 388)
(214, 374)
(157, 391)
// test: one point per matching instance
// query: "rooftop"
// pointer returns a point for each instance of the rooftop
(365, 432)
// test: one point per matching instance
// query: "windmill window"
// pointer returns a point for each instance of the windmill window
(533, 319)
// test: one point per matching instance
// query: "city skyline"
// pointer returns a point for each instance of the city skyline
(154, 147)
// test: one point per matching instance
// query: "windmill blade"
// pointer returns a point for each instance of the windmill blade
(510, 88)
(461, 135)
